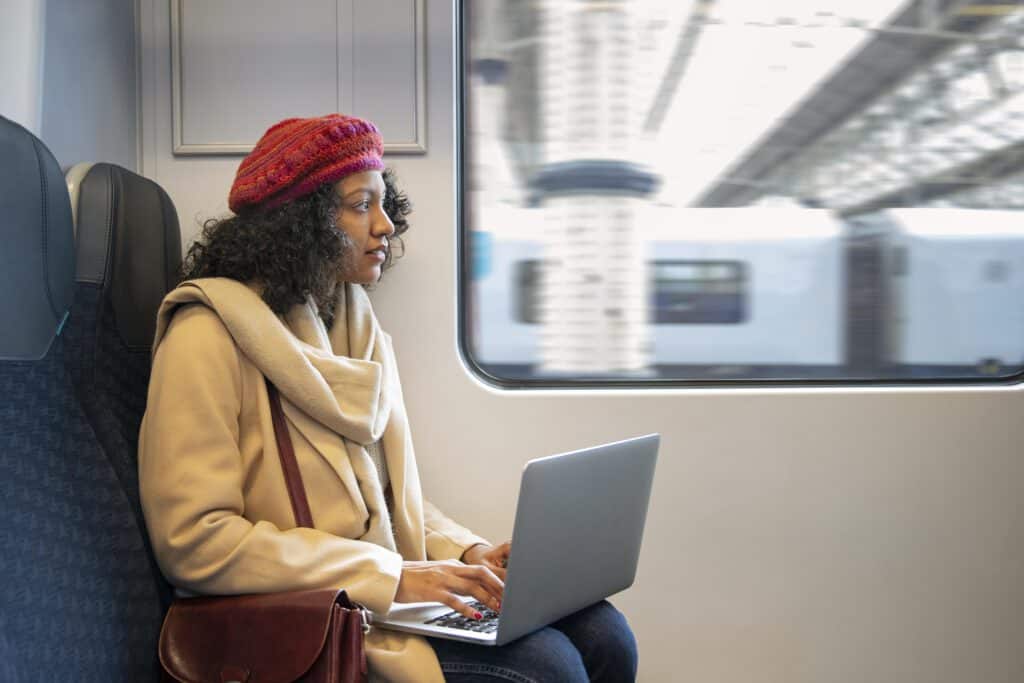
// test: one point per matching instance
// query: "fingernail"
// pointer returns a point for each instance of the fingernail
(477, 615)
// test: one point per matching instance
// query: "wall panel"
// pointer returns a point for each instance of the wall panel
(238, 66)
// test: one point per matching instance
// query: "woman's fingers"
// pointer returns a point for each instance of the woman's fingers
(453, 601)
(484, 577)
(500, 572)
(471, 588)
(445, 581)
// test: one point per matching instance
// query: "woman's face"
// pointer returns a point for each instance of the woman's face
(362, 218)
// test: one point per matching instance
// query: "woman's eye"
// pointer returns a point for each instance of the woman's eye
(363, 205)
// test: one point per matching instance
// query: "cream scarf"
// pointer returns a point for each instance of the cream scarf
(316, 369)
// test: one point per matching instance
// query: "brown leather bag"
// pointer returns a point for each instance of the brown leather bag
(310, 636)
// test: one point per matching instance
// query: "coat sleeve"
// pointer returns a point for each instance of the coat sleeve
(446, 539)
(191, 478)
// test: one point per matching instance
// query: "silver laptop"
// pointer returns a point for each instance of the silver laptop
(579, 523)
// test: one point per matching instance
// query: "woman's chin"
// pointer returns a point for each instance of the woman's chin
(367, 276)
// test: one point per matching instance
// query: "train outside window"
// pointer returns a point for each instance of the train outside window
(731, 193)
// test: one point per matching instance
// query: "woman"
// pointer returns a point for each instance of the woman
(277, 291)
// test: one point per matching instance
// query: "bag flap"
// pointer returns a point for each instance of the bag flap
(267, 638)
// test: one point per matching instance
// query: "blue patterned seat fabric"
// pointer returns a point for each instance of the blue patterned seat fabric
(128, 251)
(80, 601)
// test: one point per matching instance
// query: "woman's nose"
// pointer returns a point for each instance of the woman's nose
(383, 225)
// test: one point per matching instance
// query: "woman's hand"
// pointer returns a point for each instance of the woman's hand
(494, 558)
(446, 580)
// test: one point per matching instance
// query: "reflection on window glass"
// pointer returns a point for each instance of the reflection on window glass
(724, 190)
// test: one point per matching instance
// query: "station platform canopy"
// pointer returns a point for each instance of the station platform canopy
(927, 111)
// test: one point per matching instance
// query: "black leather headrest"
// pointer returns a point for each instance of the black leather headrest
(129, 244)
(37, 266)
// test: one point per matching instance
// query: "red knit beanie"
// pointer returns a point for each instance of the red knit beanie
(296, 156)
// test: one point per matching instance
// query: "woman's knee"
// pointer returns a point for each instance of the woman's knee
(605, 642)
(552, 658)
(545, 656)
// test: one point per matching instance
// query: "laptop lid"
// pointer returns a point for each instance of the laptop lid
(578, 529)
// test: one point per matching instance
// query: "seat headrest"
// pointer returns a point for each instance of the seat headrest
(37, 266)
(129, 244)
(73, 178)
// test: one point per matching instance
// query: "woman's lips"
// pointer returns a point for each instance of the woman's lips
(377, 255)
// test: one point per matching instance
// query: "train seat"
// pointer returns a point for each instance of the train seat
(80, 601)
(127, 251)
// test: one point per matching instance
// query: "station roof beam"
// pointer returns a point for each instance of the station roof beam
(838, 129)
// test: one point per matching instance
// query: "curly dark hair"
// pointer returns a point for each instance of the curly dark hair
(294, 250)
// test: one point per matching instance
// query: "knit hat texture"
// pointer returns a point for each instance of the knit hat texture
(296, 156)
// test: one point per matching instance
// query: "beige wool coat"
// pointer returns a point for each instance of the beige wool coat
(210, 478)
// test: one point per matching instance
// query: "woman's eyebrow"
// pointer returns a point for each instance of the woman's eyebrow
(359, 190)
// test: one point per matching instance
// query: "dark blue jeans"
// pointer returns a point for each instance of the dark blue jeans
(594, 644)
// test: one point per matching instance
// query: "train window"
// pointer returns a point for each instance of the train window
(710, 292)
(727, 192)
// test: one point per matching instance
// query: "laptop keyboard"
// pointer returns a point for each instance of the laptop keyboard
(453, 619)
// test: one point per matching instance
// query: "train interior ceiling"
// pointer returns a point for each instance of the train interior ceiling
(785, 235)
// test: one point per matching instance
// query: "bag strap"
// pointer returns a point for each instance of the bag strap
(300, 504)
(290, 466)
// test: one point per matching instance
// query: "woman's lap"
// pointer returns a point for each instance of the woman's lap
(594, 644)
